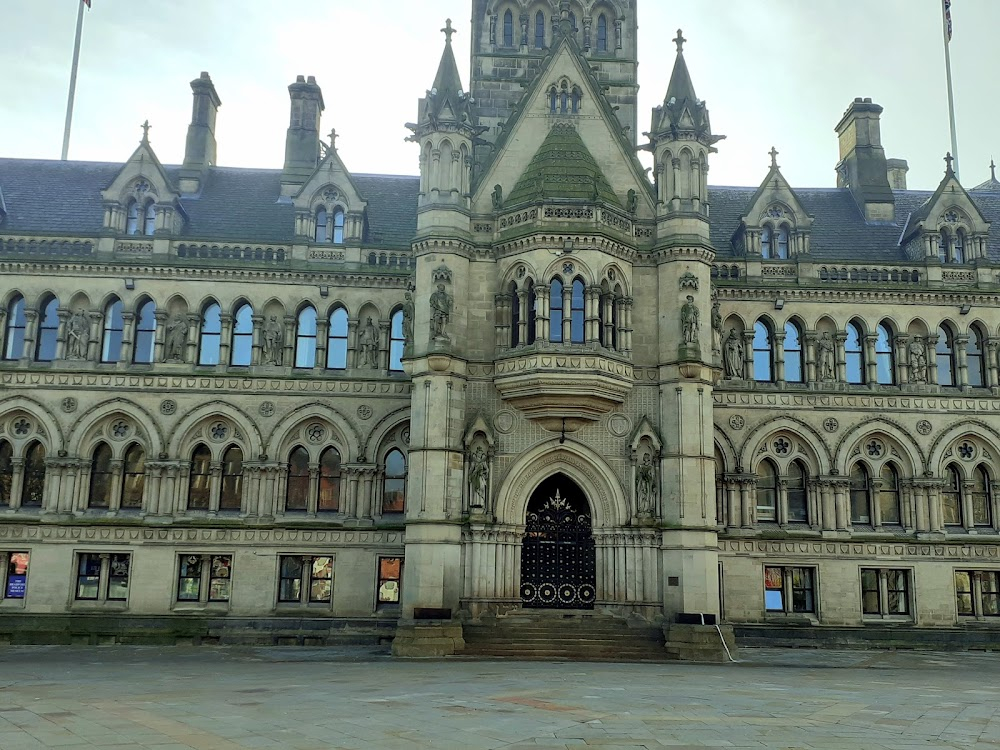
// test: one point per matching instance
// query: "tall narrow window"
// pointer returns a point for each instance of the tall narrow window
(577, 312)
(114, 329)
(199, 482)
(33, 482)
(328, 500)
(798, 507)
(321, 233)
(397, 342)
(766, 240)
(231, 493)
(338, 226)
(860, 489)
(553, 100)
(508, 29)
(532, 311)
(885, 364)
(944, 353)
(305, 338)
(6, 473)
(794, 372)
(539, 30)
(763, 353)
(975, 360)
(17, 322)
(211, 335)
(958, 250)
(149, 219)
(133, 477)
(982, 498)
(556, 311)
(602, 33)
(515, 315)
(782, 243)
(943, 246)
(48, 331)
(100, 477)
(145, 333)
(390, 578)
(854, 354)
(132, 217)
(888, 495)
(951, 497)
(394, 491)
(242, 346)
(297, 483)
(336, 340)
(767, 491)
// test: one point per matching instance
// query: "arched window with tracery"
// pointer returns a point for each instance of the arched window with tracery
(974, 358)
(767, 491)
(394, 487)
(397, 342)
(860, 488)
(508, 29)
(556, 311)
(305, 338)
(602, 33)
(763, 353)
(17, 323)
(982, 498)
(100, 477)
(951, 497)
(795, 493)
(6, 474)
(328, 500)
(854, 354)
(114, 331)
(33, 483)
(297, 481)
(149, 219)
(885, 359)
(539, 30)
(336, 342)
(888, 496)
(794, 371)
(231, 491)
(944, 354)
(132, 217)
(133, 477)
(200, 478)
(48, 331)
(210, 338)
(241, 348)
(577, 312)
(145, 334)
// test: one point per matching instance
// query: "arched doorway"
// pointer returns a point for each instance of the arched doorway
(558, 568)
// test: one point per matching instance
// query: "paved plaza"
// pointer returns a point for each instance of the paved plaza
(304, 699)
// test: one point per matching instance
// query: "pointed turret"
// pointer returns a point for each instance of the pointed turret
(446, 101)
(992, 185)
(682, 110)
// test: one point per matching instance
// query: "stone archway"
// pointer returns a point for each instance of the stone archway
(558, 555)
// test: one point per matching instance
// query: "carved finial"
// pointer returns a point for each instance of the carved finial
(993, 171)
(145, 131)
(448, 31)
(679, 41)
(774, 157)
(333, 139)
(948, 159)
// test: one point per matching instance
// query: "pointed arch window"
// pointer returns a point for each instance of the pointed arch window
(145, 334)
(338, 226)
(508, 29)
(553, 100)
(132, 217)
(767, 491)
(951, 497)
(797, 503)
(17, 323)
(943, 242)
(6, 473)
(133, 477)
(763, 353)
(958, 249)
(885, 369)
(975, 360)
(397, 342)
(336, 340)
(321, 225)
(577, 312)
(305, 338)
(211, 335)
(564, 98)
(602, 33)
(242, 339)
(532, 312)
(48, 331)
(888, 496)
(577, 97)
(33, 483)
(231, 492)
(720, 488)
(394, 488)
(297, 482)
(149, 219)
(782, 242)
(944, 354)
(556, 311)
(329, 481)
(200, 479)
(794, 372)
(515, 315)
(854, 354)
(539, 30)
(100, 477)
(860, 488)
(114, 330)
(982, 498)
(766, 241)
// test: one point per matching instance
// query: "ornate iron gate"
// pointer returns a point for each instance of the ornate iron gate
(557, 555)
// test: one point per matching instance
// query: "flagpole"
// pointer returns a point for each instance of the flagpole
(951, 92)
(72, 82)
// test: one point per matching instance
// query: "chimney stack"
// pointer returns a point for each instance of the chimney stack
(200, 150)
(863, 167)
(302, 150)
(897, 173)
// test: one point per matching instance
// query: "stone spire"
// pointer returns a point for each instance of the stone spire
(992, 185)
(446, 101)
(682, 110)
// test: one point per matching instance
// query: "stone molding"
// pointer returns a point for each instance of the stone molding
(921, 404)
(862, 550)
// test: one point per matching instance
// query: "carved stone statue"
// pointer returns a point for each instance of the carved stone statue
(735, 360)
(918, 360)
(633, 201)
(273, 342)
(408, 313)
(77, 335)
(497, 197)
(368, 343)
(689, 321)
(175, 340)
(716, 327)
(645, 486)
(441, 304)
(826, 357)
(479, 478)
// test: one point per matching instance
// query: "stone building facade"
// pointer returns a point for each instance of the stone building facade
(298, 404)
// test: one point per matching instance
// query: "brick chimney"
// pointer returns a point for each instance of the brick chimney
(302, 150)
(200, 150)
(863, 167)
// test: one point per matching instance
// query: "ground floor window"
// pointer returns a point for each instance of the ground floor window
(885, 592)
(102, 576)
(789, 589)
(204, 578)
(13, 575)
(304, 579)
(977, 593)
(390, 577)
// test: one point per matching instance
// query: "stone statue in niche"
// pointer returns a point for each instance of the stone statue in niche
(175, 340)
(479, 477)
(497, 197)
(633, 201)
(716, 327)
(272, 342)
(77, 335)
(918, 360)
(441, 305)
(690, 321)
(735, 360)
(645, 486)
(408, 313)
(368, 344)
(826, 357)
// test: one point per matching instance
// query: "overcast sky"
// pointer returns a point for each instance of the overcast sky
(774, 72)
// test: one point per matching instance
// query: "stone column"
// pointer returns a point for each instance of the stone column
(290, 333)
(779, 357)
(30, 333)
(748, 354)
(840, 500)
(128, 338)
(840, 339)
(225, 338)
(748, 490)
(932, 370)
(592, 323)
(194, 329)
(626, 332)
(161, 317)
(810, 356)
(902, 344)
(992, 345)
(522, 322)
(257, 321)
(215, 487)
(542, 312)
(384, 329)
(117, 467)
(322, 341)
(871, 360)
(96, 336)
(961, 344)
(63, 315)
(567, 313)
(502, 325)
(734, 513)
(16, 482)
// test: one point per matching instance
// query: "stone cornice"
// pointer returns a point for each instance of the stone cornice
(976, 551)
(866, 403)
(841, 294)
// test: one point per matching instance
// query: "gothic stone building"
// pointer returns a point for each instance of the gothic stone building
(296, 404)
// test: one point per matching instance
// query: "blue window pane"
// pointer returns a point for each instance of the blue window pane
(577, 320)
(48, 330)
(555, 311)
(145, 334)
(396, 342)
(793, 354)
(854, 355)
(16, 324)
(762, 355)
(336, 345)
(211, 336)
(774, 601)
(242, 348)
(305, 339)
(883, 356)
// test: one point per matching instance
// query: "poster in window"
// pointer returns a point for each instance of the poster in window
(17, 575)
(772, 578)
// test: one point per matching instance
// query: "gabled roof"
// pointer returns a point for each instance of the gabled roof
(949, 184)
(992, 185)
